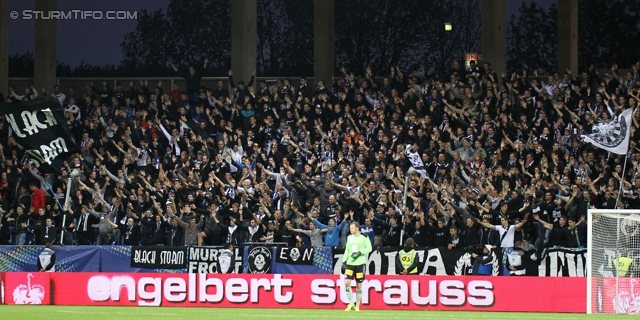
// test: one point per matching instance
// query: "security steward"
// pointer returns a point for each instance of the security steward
(406, 259)
(623, 263)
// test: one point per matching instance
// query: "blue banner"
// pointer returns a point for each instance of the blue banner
(68, 259)
(322, 262)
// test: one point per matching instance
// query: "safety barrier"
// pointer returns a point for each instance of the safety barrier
(551, 294)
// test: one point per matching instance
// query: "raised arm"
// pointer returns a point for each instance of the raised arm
(509, 141)
(269, 173)
(303, 149)
(339, 186)
(522, 223)
(301, 231)
(320, 224)
(164, 131)
(544, 223)
(289, 169)
(433, 185)
(118, 147)
(95, 152)
(484, 224)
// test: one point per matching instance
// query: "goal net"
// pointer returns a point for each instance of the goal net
(613, 261)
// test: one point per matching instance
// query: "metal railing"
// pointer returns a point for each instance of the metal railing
(80, 83)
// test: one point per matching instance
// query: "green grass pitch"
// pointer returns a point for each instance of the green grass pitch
(159, 313)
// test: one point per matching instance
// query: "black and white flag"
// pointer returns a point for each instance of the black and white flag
(259, 259)
(158, 257)
(612, 135)
(295, 255)
(40, 127)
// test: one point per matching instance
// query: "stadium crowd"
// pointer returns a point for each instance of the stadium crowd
(499, 159)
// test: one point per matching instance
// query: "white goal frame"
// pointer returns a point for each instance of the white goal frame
(590, 213)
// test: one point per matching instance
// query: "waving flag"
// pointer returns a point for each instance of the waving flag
(40, 127)
(612, 135)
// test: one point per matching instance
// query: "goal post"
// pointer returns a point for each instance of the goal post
(613, 261)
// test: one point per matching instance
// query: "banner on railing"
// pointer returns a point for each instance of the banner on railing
(259, 259)
(301, 291)
(149, 257)
(321, 260)
(68, 258)
(557, 262)
(430, 261)
(563, 262)
(295, 255)
(205, 259)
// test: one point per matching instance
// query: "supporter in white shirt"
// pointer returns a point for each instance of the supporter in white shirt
(58, 95)
(27, 92)
(73, 108)
(507, 231)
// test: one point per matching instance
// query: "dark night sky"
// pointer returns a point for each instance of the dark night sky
(97, 42)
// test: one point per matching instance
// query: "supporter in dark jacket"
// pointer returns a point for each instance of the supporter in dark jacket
(130, 233)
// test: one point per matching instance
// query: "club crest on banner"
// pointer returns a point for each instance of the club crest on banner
(259, 260)
(294, 254)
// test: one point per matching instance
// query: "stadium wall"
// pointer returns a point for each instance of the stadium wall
(552, 294)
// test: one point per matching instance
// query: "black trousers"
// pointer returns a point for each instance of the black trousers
(83, 238)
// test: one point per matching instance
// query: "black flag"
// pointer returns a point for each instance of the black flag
(40, 127)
